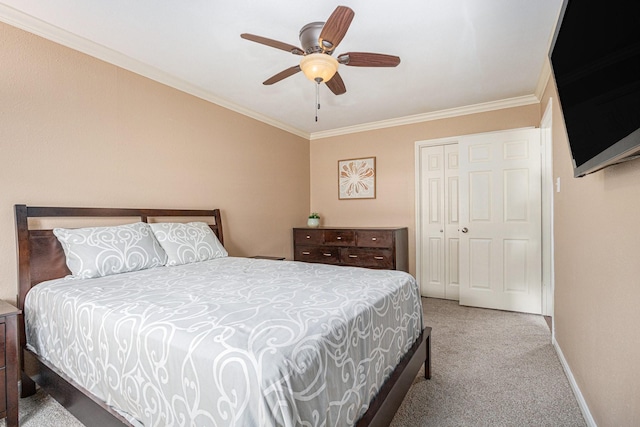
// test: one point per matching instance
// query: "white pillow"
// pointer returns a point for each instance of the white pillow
(188, 243)
(101, 251)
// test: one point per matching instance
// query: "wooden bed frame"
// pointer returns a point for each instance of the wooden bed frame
(40, 258)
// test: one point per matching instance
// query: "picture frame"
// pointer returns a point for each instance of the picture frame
(357, 178)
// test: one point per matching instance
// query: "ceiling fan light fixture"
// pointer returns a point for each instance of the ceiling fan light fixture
(319, 67)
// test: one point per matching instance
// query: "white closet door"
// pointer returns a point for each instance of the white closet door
(500, 221)
(439, 221)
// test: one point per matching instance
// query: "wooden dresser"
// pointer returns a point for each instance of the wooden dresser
(385, 248)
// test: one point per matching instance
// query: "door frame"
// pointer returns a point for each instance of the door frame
(547, 203)
(548, 270)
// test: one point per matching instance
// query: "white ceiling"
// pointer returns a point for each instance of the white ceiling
(455, 53)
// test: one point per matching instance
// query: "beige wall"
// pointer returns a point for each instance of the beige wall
(597, 280)
(76, 131)
(394, 149)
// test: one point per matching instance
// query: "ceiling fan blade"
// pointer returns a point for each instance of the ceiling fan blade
(335, 28)
(336, 85)
(273, 43)
(282, 75)
(365, 59)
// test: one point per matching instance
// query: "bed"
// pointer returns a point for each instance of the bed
(286, 342)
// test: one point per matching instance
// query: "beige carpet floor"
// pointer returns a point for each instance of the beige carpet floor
(490, 368)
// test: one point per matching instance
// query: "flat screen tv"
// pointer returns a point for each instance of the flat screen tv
(595, 58)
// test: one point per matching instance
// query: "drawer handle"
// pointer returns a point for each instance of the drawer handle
(325, 254)
(374, 238)
(339, 238)
(306, 253)
(379, 257)
(353, 256)
(308, 237)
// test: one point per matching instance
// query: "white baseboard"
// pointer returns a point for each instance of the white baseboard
(574, 386)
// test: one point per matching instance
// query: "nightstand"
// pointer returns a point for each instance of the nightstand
(9, 368)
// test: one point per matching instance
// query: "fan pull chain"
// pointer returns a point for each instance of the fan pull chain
(317, 98)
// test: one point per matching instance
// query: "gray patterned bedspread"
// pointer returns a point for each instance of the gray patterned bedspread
(231, 341)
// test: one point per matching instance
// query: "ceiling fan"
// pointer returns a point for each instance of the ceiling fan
(319, 40)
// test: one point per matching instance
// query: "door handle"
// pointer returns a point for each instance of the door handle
(465, 230)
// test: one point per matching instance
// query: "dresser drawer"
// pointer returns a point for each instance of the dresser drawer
(325, 255)
(370, 258)
(374, 238)
(308, 237)
(339, 237)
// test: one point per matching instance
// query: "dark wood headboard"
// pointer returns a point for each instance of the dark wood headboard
(40, 255)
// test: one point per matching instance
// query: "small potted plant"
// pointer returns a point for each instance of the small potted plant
(314, 219)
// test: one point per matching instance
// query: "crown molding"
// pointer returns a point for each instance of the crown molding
(543, 80)
(436, 115)
(50, 32)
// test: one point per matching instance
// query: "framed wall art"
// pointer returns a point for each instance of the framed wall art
(357, 178)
